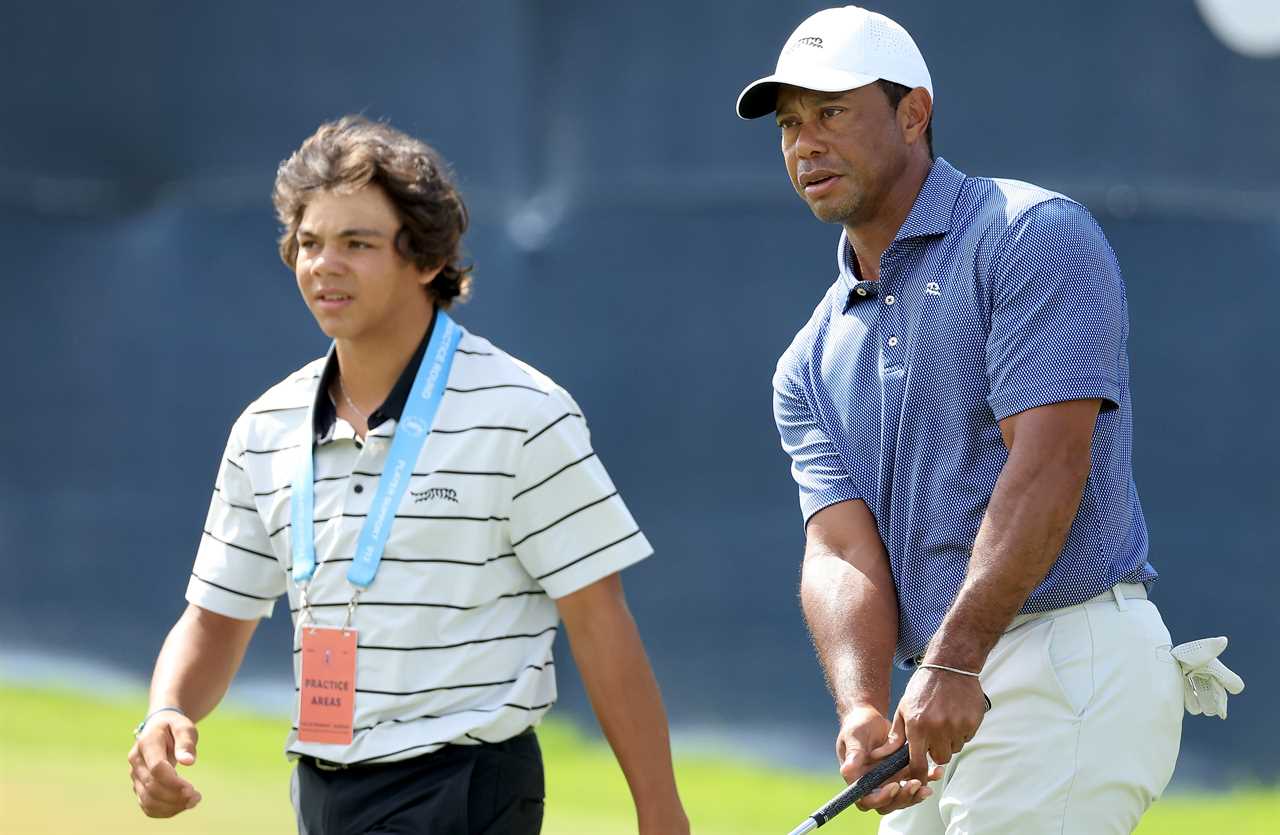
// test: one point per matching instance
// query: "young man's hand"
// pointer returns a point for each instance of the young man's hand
(861, 744)
(168, 740)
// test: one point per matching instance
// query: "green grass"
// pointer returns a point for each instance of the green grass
(63, 771)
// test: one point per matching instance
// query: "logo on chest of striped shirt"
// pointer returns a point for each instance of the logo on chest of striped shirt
(447, 494)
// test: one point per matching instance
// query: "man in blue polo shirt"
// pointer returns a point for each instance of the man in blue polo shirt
(958, 416)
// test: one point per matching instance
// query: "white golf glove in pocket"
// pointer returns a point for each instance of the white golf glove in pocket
(1206, 681)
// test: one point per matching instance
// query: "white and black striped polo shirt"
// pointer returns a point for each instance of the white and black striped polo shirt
(508, 509)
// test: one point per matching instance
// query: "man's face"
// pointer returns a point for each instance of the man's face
(349, 272)
(842, 150)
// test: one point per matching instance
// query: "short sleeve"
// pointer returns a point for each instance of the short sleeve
(815, 463)
(569, 526)
(235, 573)
(1058, 313)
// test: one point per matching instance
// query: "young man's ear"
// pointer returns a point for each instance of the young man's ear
(425, 277)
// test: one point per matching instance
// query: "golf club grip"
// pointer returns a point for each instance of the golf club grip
(864, 785)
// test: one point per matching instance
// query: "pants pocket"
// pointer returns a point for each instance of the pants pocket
(523, 817)
(507, 789)
(1069, 652)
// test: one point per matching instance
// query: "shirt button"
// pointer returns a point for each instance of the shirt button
(888, 299)
(862, 291)
(359, 488)
(893, 340)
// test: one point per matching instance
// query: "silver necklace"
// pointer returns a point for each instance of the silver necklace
(343, 391)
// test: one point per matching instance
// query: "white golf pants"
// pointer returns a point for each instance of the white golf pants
(1082, 734)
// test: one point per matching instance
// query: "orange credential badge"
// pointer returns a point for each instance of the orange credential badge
(327, 708)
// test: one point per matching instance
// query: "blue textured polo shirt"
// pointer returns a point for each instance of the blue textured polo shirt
(995, 297)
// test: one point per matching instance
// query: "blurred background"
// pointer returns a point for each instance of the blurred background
(640, 244)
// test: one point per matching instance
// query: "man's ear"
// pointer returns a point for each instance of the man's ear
(914, 112)
(428, 275)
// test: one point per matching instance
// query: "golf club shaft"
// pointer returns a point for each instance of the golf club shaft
(857, 790)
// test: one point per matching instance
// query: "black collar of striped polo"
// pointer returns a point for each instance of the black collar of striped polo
(391, 408)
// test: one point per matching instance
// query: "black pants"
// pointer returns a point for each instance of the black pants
(492, 789)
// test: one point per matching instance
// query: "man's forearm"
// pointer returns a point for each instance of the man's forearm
(852, 614)
(199, 659)
(1026, 524)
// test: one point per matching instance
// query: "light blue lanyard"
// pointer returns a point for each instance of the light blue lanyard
(406, 445)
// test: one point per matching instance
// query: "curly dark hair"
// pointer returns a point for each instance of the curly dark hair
(353, 152)
(896, 93)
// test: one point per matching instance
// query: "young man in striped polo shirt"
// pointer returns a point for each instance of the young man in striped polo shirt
(432, 507)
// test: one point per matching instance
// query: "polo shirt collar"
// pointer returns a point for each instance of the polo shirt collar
(392, 408)
(930, 215)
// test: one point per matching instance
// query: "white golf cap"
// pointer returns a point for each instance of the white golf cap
(837, 50)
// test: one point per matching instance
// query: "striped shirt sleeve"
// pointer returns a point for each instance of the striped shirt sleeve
(569, 526)
(236, 574)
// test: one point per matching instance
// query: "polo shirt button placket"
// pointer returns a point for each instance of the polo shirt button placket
(893, 322)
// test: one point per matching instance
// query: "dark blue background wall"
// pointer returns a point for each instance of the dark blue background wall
(635, 240)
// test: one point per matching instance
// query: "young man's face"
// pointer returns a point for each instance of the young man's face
(842, 150)
(349, 272)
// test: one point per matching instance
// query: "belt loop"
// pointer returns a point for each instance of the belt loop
(1120, 604)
